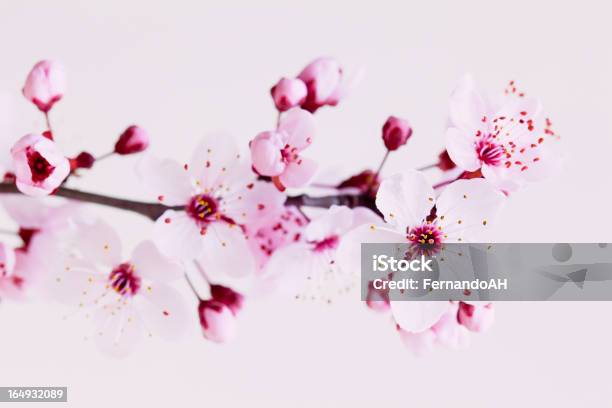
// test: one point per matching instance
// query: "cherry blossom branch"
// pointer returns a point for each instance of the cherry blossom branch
(154, 210)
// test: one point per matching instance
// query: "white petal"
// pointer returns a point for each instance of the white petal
(226, 251)
(417, 316)
(462, 150)
(467, 106)
(163, 311)
(335, 221)
(99, 243)
(150, 264)
(118, 329)
(213, 160)
(405, 199)
(466, 207)
(287, 270)
(166, 179)
(177, 235)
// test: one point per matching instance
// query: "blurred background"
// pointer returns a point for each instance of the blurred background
(182, 69)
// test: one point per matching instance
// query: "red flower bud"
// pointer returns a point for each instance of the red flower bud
(444, 162)
(133, 140)
(83, 161)
(288, 93)
(228, 297)
(217, 321)
(396, 132)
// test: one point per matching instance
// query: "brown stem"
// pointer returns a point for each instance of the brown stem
(154, 210)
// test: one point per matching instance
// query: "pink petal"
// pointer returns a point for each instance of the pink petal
(254, 204)
(214, 160)
(417, 316)
(299, 173)
(419, 343)
(226, 251)
(299, 126)
(163, 311)
(462, 150)
(467, 106)
(266, 154)
(99, 243)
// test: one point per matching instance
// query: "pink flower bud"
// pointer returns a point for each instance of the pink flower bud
(476, 317)
(323, 78)
(396, 133)
(7, 260)
(40, 167)
(228, 297)
(133, 140)
(217, 321)
(84, 160)
(288, 93)
(445, 163)
(45, 85)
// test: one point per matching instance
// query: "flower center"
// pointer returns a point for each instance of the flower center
(39, 166)
(327, 243)
(123, 280)
(289, 154)
(203, 208)
(489, 152)
(425, 239)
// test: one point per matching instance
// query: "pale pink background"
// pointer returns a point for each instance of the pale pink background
(184, 68)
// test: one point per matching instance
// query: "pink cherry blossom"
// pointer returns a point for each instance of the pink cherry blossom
(133, 140)
(476, 317)
(377, 299)
(217, 321)
(510, 144)
(7, 260)
(126, 300)
(221, 198)
(286, 228)
(40, 167)
(315, 273)
(288, 93)
(45, 84)
(396, 132)
(277, 153)
(463, 211)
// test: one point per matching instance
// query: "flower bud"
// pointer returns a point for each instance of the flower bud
(366, 182)
(288, 93)
(217, 321)
(445, 163)
(396, 132)
(39, 165)
(476, 317)
(323, 78)
(133, 140)
(45, 85)
(228, 297)
(84, 160)
(7, 260)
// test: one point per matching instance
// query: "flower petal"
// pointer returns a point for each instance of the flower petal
(163, 311)
(405, 199)
(253, 204)
(177, 235)
(266, 154)
(467, 106)
(226, 251)
(99, 243)
(166, 179)
(462, 150)
(213, 160)
(118, 329)
(150, 264)
(299, 173)
(417, 316)
(466, 207)
(299, 126)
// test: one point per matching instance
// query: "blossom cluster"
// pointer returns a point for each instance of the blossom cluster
(241, 215)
